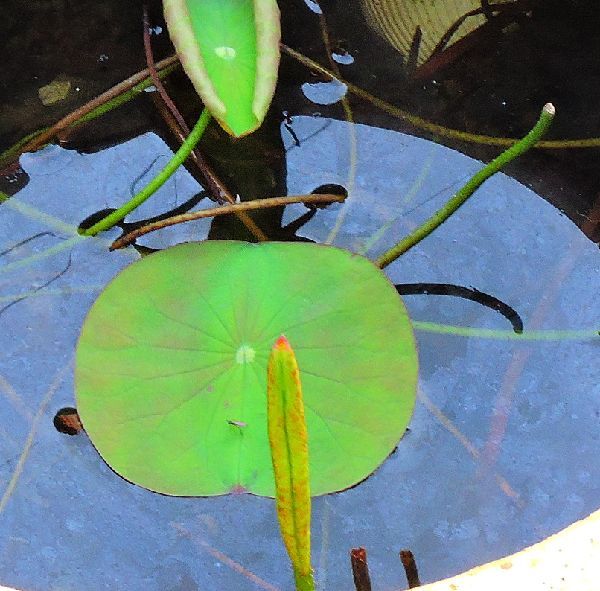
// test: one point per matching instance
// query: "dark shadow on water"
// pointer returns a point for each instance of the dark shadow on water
(467, 293)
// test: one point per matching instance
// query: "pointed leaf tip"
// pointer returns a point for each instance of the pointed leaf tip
(282, 343)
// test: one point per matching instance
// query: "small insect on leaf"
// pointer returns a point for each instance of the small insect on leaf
(235, 423)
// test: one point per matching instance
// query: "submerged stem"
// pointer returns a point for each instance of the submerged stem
(440, 216)
(112, 98)
(158, 181)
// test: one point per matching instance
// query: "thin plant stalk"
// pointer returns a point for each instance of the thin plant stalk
(360, 569)
(440, 216)
(429, 126)
(410, 568)
(107, 101)
(176, 122)
(125, 96)
(154, 74)
(158, 181)
(235, 208)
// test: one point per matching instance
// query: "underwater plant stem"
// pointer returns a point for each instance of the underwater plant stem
(158, 181)
(440, 216)
(235, 208)
(429, 126)
(112, 98)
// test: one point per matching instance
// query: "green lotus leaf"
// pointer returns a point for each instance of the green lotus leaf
(171, 368)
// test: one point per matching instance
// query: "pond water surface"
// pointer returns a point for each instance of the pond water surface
(502, 449)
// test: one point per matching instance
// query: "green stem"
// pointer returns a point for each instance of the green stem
(440, 216)
(158, 181)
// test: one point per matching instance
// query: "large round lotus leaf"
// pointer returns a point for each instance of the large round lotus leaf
(172, 365)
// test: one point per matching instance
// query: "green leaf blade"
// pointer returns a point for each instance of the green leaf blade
(288, 439)
(230, 51)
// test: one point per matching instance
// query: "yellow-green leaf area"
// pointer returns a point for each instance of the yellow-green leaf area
(288, 439)
(171, 367)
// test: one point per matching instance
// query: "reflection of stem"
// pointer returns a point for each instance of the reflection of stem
(39, 415)
(462, 439)
(410, 195)
(158, 181)
(520, 357)
(440, 216)
(507, 335)
(112, 98)
(224, 210)
(224, 558)
(352, 133)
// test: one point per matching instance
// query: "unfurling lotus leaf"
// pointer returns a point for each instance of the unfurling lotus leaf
(230, 51)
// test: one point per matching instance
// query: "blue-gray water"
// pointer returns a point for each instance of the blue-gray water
(71, 523)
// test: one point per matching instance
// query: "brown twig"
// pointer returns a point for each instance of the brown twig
(360, 569)
(176, 123)
(223, 210)
(43, 138)
(410, 568)
(154, 75)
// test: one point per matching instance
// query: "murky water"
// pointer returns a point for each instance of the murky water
(502, 449)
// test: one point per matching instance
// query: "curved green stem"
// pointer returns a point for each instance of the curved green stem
(440, 216)
(158, 181)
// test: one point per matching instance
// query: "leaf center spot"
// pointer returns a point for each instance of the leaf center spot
(245, 354)
(226, 53)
